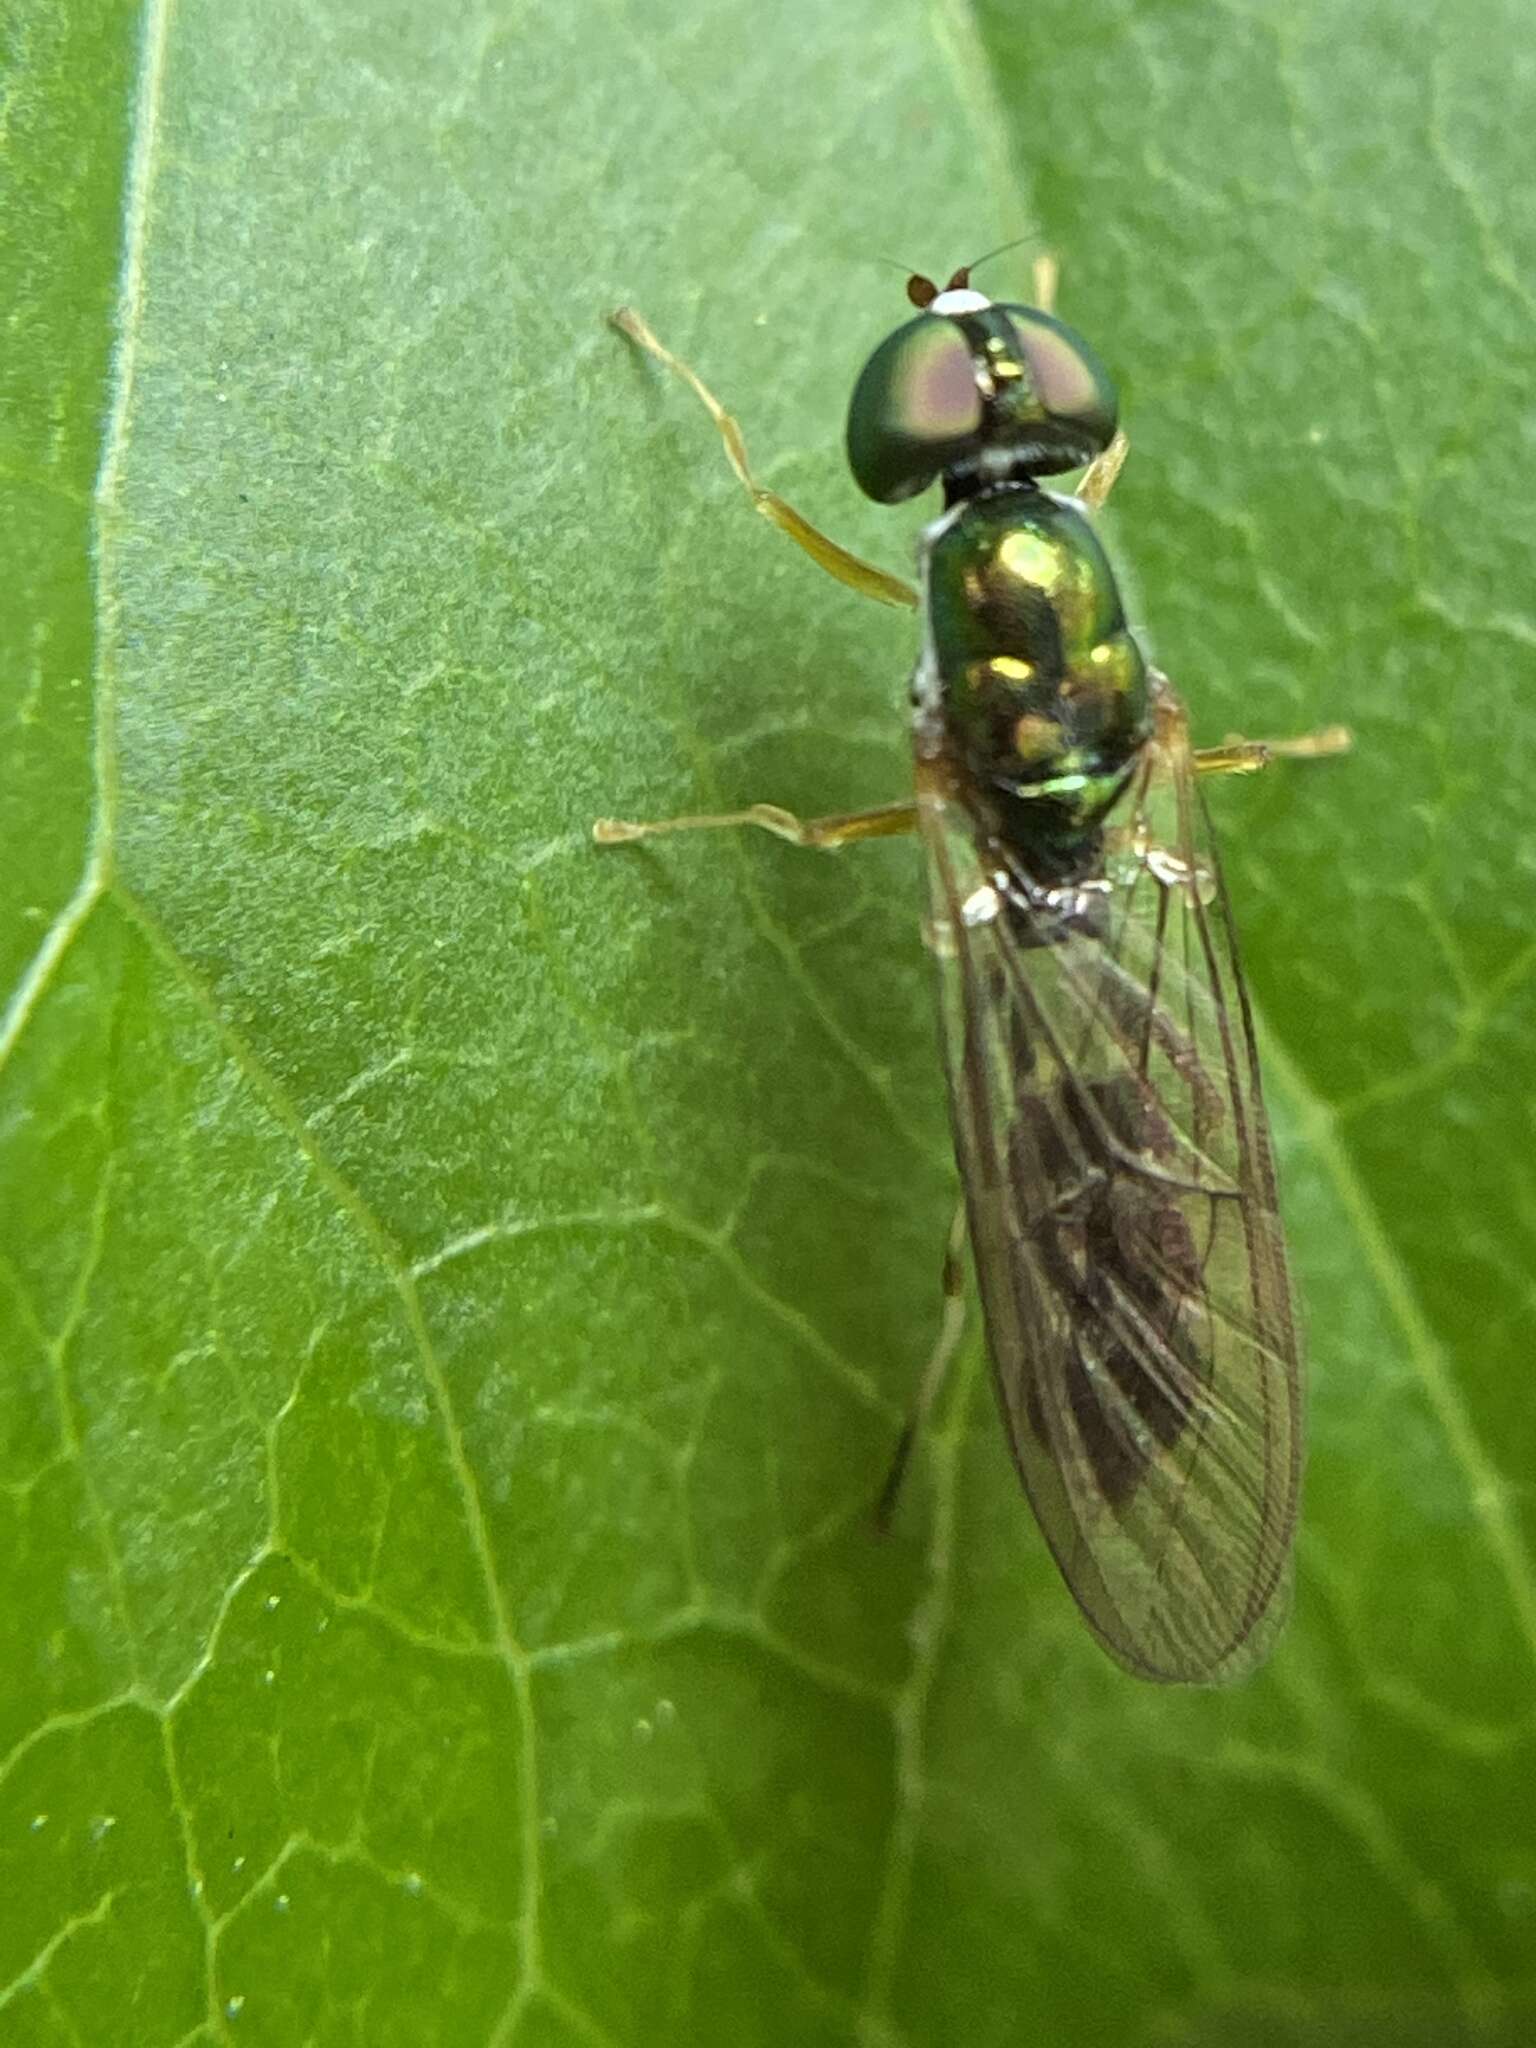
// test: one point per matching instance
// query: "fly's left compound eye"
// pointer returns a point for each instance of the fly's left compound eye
(916, 408)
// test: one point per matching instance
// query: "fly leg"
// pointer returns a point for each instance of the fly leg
(951, 1329)
(883, 822)
(1247, 757)
(837, 561)
(1234, 756)
(1098, 479)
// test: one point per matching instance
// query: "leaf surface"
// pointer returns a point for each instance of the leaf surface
(459, 1289)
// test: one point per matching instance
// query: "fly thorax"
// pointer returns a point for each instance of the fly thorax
(1042, 686)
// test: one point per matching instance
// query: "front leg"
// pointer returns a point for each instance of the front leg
(848, 568)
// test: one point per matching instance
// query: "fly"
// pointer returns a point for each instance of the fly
(1118, 1183)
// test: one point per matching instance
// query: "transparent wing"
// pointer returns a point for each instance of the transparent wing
(1121, 1198)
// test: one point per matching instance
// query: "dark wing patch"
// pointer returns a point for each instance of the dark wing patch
(1123, 1217)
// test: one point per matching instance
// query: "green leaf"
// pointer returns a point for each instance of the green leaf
(459, 1289)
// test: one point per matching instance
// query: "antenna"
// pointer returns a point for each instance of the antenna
(962, 276)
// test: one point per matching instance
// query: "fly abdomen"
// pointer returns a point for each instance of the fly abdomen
(1042, 687)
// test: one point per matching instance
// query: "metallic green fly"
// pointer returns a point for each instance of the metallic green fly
(1119, 1188)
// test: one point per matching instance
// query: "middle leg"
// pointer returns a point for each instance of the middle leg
(1247, 757)
(884, 821)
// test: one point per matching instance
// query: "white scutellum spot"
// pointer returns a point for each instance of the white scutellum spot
(981, 906)
(959, 302)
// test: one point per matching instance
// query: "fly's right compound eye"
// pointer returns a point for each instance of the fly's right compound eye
(1067, 409)
(916, 409)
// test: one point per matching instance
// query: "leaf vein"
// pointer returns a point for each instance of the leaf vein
(1489, 1491)
(352, 1203)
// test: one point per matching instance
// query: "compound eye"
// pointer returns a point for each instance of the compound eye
(915, 409)
(1075, 404)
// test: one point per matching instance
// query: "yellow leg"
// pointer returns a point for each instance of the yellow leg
(1099, 477)
(837, 561)
(880, 823)
(1246, 757)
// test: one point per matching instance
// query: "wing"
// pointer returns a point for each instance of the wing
(1121, 1197)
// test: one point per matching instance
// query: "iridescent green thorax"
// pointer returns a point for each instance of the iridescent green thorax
(1041, 688)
